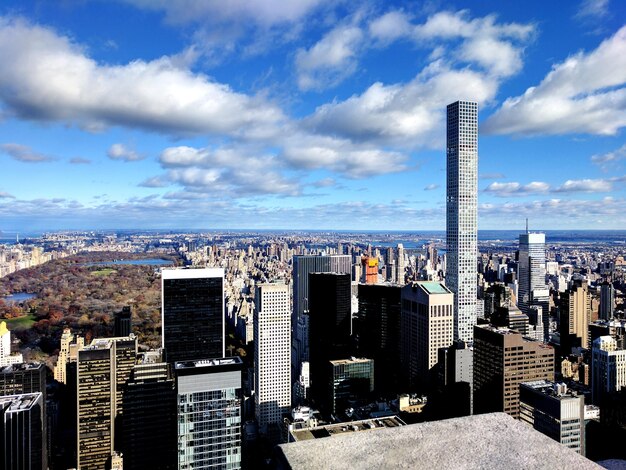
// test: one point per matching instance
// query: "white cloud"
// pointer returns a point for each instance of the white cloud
(586, 186)
(262, 12)
(517, 189)
(330, 60)
(410, 115)
(5, 195)
(431, 187)
(390, 26)
(52, 79)
(79, 161)
(583, 94)
(592, 9)
(123, 153)
(23, 153)
(606, 160)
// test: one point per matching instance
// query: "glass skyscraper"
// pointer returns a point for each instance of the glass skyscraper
(209, 403)
(192, 315)
(462, 214)
(532, 289)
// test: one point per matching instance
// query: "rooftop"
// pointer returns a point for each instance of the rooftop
(434, 287)
(20, 402)
(482, 441)
(225, 361)
(338, 429)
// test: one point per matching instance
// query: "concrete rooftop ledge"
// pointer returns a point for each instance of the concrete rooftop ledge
(489, 441)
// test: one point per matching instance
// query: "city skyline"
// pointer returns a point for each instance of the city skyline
(314, 115)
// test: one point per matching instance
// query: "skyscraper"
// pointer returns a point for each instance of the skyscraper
(209, 398)
(192, 315)
(575, 315)
(608, 368)
(6, 357)
(427, 320)
(503, 359)
(462, 214)
(330, 332)
(532, 288)
(272, 354)
(123, 322)
(607, 300)
(303, 265)
(22, 436)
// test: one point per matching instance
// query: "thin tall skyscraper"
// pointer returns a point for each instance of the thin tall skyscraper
(532, 276)
(192, 315)
(462, 214)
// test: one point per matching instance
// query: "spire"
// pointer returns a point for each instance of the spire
(526, 224)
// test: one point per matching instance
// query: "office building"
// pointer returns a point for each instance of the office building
(67, 354)
(209, 401)
(6, 357)
(608, 368)
(352, 382)
(575, 315)
(103, 370)
(400, 265)
(377, 329)
(427, 326)
(370, 270)
(272, 354)
(503, 359)
(303, 265)
(22, 432)
(555, 411)
(511, 317)
(123, 322)
(192, 314)
(532, 289)
(462, 214)
(150, 425)
(330, 326)
(456, 378)
(607, 301)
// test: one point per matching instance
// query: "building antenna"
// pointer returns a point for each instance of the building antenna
(526, 224)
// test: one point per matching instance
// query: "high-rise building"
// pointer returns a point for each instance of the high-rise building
(575, 314)
(427, 326)
(352, 380)
(209, 401)
(68, 353)
(303, 265)
(555, 411)
(370, 269)
(103, 370)
(607, 300)
(192, 316)
(6, 357)
(330, 326)
(462, 214)
(22, 432)
(400, 265)
(456, 377)
(608, 368)
(150, 427)
(503, 359)
(123, 322)
(272, 355)
(378, 331)
(532, 289)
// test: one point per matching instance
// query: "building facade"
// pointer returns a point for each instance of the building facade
(555, 411)
(503, 359)
(427, 326)
(209, 402)
(608, 368)
(22, 436)
(272, 354)
(192, 313)
(462, 214)
(352, 380)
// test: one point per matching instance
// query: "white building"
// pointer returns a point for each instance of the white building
(272, 354)
(6, 358)
(532, 287)
(608, 367)
(462, 214)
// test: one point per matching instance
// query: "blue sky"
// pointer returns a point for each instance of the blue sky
(307, 114)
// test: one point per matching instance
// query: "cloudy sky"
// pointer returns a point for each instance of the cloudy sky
(307, 114)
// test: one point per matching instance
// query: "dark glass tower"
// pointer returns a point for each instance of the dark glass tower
(330, 327)
(192, 314)
(123, 322)
(378, 332)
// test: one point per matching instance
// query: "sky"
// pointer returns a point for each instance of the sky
(307, 114)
